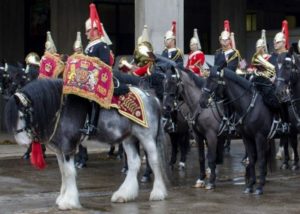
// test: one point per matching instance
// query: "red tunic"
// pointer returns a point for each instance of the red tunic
(195, 61)
(142, 71)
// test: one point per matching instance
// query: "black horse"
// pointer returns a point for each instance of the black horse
(59, 124)
(288, 91)
(254, 120)
(203, 122)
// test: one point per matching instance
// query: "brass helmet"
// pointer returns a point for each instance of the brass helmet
(78, 44)
(143, 53)
(171, 34)
(49, 45)
(32, 59)
(195, 39)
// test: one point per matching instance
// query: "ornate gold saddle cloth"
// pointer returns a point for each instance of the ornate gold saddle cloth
(90, 78)
(131, 106)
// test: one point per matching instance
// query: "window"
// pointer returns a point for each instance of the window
(251, 24)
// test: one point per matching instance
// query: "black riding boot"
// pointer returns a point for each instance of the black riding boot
(91, 125)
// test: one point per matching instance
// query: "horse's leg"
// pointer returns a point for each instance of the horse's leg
(62, 172)
(211, 156)
(69, 196)
(81, 156)
(174, 144)
(129, 189)
(147, 174)
(200, 183)
(284, 142)
(294, 145)
(261, 148)
(184, 146)
(120, 152)
(111, 151)
(159, 191)
(250, 177)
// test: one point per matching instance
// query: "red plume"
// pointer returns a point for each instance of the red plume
(37, 157)
(95, 19)
(227, 26)
(285, 31)
(173, 29)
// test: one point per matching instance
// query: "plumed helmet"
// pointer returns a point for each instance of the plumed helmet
(283, 36)
(78, 43)
(226, 32)
(94, 23)
(105, 38)
(143, 53)
(260, 43)
(171, 34)
(49, 45)
(195, 39)
(32, 59)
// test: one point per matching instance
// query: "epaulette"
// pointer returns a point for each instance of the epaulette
(234, 56)
(177, 55)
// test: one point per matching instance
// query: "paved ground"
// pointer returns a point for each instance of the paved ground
(26, 190)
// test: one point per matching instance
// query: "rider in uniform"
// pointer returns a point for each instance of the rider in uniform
(171, 51)
(196, 57)
(227, 56)
(95, 48)
(281, 45)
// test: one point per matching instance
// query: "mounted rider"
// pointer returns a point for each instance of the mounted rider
(171, 51)
(143, 58)
(196, 57)
(95, 48)
(227, 56)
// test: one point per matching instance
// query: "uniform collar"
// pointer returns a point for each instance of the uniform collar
(194, 53)
(229, 51)
(92, 43)
(171, 49)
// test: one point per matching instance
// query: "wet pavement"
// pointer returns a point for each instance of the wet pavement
(24, 189)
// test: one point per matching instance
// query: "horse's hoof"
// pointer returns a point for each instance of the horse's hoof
(181, 166)
(284, 166)
(145, 179)
(258, 191)
(210, 186)
(295, 167)
(119, 200)
(80, 165)
(200, 184)
(248, 190)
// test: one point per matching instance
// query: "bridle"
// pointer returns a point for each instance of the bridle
(220, 81)
(27, 109)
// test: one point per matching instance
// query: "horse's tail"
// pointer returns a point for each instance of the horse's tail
(162, 142)
(271, 161)
(11, 114)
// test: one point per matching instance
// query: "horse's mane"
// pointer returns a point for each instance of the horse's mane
(244, 83)
(45, 97)
(199, 81)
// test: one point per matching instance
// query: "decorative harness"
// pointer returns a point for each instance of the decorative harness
(227, 121)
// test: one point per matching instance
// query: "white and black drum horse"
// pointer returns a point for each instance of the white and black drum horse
(37, 107)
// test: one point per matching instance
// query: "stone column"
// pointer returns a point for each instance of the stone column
(235, 12)
(158, 15)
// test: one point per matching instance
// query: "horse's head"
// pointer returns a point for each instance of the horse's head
(16, 78)
(171, 86)
(288, 65)
(211, 84)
